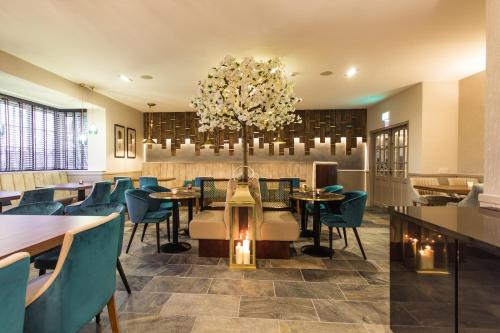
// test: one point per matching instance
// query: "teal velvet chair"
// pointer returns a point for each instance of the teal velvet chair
(37, 195)
(117, 178)
(101, 194)
(350, 216)
(14, 272)
(118, 194)
(48, 260)
(81, 285)
(142, 209)
(187, 182)
(147, 181)
(165, 205)
(39, 208)
(331, 207)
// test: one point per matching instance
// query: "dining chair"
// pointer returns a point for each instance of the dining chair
(101, 194)
(14, 272)
(117, 178)
(147, 181)
(48, 260)
(351, 216)
(165, 204)
(142, 209)
(83, 282)
(118, 194)
(39, 208)
(37, 195)
(471, 199)
(333, 206)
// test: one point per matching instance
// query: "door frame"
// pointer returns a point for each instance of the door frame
(371, 158)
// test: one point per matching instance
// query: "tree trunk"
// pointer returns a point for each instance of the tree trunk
(245, 153)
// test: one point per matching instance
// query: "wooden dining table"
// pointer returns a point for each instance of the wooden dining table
(80, 187)
(448, 189)
(37, 234)
(6, 196)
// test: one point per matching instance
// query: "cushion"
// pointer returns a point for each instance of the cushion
(208, 224)
(166, 205)
(156, 216)
(279, 226)
(29, 180)
(7, 182)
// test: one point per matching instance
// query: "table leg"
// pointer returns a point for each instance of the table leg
(175, 246)
(81, 195)
(190, 216)
(316, 250)
(303, 223)
(1, 206)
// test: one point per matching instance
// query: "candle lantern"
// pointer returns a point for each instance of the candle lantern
(242, 229)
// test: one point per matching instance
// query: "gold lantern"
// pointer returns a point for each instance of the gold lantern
(242, 229)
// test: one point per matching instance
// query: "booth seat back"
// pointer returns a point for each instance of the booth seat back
(23, 181)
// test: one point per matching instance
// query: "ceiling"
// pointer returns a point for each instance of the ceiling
(393, 43)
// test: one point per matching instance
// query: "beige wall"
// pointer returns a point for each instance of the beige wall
(491, 197)
(101, 154)
(471, 124)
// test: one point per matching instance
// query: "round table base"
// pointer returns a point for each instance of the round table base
(321, 251)
(307, 233)
(175, 247)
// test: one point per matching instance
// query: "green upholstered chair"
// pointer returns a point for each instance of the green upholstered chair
(118, 194)
(187, 182)
(37, 195)
(101, 194)
(81, 285)
(325, 207)
(14, 272)
(147, 181)
(39, 208)
(351, 216)
(142, 209)
(117, 178)
(48, 260)
(165, 205)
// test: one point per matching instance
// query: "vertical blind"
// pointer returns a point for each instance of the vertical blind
(38, 137)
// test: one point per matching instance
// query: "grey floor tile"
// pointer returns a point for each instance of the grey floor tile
(168, 284)
(376, 277)
(242, 287)
(353, 312)
(307, 290)
(135, 323)
(174, 270)
(277, 308)
(211, 271)
(283, 274)
(319, 327)
(298, 262)
(201, 305)
(144, 302)
(363, 292)
(192, 259)
(205, 324)
(136, 283)
(316, 275)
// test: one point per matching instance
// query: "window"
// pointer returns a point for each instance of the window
(38, 137)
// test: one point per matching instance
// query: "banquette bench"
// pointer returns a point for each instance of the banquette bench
(276, 225)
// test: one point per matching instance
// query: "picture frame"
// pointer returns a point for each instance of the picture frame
(120, 141)
(131, 143)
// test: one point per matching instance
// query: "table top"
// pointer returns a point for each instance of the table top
(474, 223)
(181, 195)
(10, 195)
(312, 196)
(36, 234)
(450, 189)
(70, 186)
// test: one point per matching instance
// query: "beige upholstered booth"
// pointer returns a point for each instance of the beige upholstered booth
(275, 229)
(428, 198)
(23, 181)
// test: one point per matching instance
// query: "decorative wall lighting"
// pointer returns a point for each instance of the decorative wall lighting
(208, 142)
(278, 139)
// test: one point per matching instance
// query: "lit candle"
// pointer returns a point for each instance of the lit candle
(246, 250)
(414, 246)
(427, 258)
(239, 254)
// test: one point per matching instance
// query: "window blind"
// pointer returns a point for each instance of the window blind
(39, 137)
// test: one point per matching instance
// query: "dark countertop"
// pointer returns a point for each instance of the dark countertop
(478, 224)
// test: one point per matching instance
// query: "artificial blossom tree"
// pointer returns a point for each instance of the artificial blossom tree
(239, 94)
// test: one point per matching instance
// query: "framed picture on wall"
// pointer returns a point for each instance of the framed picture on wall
(131, 143)
(119, 141)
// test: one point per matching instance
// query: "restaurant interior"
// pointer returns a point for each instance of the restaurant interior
(264, 166)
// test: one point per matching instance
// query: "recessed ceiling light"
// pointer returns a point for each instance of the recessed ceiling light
(326, 73)
(351, 72)
(295, 73)
(125, 78)
(146, 77)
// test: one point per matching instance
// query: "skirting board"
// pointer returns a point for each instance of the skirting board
(219, 248)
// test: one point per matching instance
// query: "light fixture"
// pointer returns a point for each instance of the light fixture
(125, 78)
(149, 141)
(279, 140)
(208, 143)
(146, 77)
(351, 72)
(93, 127)
(326, 73)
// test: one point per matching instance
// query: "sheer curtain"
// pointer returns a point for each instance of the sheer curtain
(38, 137)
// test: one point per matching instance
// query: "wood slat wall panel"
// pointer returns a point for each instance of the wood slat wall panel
(179, 126)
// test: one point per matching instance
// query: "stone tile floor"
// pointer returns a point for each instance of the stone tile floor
(186, 293)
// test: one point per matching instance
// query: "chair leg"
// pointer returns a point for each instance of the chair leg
(330, 234)
(144, 232)
(168, 229)
(122, 275)
(131, 237)
(98, 318)
(158, 237)
(345, 237)
(338, 232)
(113, 316)
(42, 271)
(359, 243)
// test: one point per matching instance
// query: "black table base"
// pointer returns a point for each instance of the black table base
(317, 251)
(307, 233)
(175, 247)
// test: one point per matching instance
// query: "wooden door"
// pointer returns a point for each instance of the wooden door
(390, 163)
